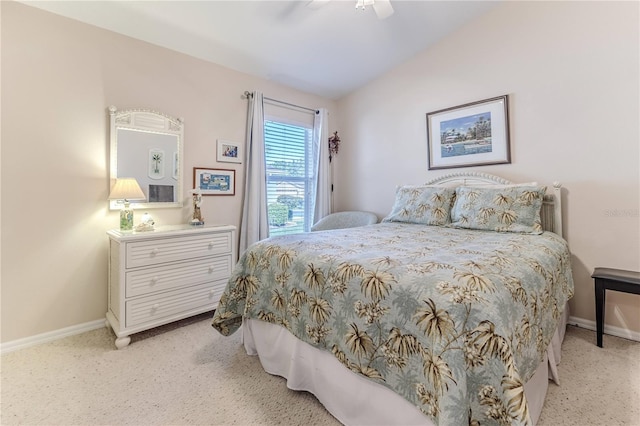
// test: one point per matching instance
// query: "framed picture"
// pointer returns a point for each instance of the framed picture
(156, 163)
(214, 181)
(229, 152)
(176, 165)
(474, 134)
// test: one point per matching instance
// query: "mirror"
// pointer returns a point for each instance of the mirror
(148, 146)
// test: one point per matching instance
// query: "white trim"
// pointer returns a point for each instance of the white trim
(608, 329)
(50, 336)
(94, 325)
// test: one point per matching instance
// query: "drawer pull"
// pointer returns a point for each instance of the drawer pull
(154, 280)
(210, 245)
(154, 252)
(211, 269)
(155, 307)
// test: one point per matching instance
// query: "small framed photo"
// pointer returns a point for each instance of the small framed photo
(176, 165)
(156, 163)
(214, 181)
(474, 134)
(229, 152)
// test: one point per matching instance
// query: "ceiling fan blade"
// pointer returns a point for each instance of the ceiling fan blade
(317, 4)
(383, 8)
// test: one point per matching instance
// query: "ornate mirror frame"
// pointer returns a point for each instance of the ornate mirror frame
(142, 141)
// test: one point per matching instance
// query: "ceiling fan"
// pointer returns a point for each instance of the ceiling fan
(382, 8)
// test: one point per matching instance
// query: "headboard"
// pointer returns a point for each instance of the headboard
(550, 213)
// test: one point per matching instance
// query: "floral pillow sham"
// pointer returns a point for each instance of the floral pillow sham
(513, 208)
(422, 204)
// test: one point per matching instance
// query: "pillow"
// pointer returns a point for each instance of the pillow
(507, 208)
(424, 204)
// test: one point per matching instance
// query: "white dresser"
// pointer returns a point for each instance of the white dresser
(161, 276)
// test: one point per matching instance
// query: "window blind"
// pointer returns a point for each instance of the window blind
(290, 171)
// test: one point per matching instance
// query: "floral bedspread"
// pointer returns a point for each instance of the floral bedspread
(455, 321)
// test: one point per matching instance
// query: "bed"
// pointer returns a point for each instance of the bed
(451, 311)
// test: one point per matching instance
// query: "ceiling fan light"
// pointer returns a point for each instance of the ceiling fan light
(361, 4)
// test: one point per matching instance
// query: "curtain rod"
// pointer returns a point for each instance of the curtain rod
(248, 95)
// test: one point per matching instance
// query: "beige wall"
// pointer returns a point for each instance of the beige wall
(58, 78)
(571, 71)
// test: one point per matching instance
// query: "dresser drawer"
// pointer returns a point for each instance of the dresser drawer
(152, 309)
(153, 252)
(182, 274)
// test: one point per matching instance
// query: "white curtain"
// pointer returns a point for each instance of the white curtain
(255, 225)
(323, 183)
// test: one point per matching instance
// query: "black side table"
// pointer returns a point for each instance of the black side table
(612, 279)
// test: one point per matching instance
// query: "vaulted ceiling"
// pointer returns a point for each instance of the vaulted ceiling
(329, 51)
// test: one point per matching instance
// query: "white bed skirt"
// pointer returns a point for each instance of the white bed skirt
(344, 393)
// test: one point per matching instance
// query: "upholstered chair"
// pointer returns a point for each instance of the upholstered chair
(347, 219)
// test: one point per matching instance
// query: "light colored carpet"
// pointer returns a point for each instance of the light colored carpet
(187, 373)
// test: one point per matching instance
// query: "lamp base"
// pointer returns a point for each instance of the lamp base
(126, 218)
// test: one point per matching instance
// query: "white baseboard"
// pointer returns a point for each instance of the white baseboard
(94, 325)
(608, 329)
(50, 336)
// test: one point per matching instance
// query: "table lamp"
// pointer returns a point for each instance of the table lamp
(125, 190)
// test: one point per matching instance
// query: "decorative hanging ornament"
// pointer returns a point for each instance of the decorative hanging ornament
(334, 145)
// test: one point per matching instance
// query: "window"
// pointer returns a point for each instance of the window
(290, 177)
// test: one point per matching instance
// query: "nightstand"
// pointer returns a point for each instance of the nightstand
(161, 276)
(611, 279)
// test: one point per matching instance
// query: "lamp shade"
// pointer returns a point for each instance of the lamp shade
(126, 189)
